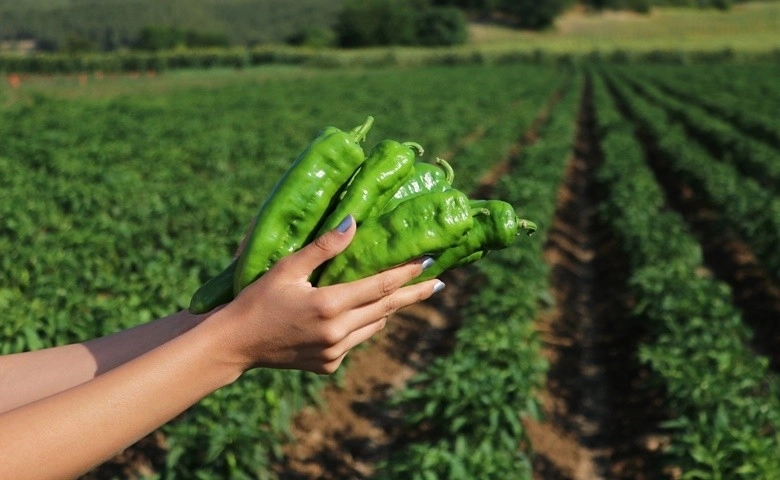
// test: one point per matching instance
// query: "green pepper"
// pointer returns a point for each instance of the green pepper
(291, 215)
(388, 166)
(218, 290)
(423, 225)
(496, 226)
(426, 178)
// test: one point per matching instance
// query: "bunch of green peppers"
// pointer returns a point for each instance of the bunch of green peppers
(405, 209)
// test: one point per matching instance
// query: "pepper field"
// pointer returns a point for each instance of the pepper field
(635, 336)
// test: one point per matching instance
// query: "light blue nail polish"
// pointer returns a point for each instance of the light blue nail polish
(426, 263)
(344, 225)
(438, 287)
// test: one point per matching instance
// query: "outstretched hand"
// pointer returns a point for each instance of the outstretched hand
(282, 321)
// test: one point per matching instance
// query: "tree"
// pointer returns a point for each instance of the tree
(376, 22)
(441, 26)
(533, 14)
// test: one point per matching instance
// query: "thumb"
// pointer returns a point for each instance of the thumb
(303, 262)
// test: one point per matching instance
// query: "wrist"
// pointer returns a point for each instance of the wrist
(219, 329)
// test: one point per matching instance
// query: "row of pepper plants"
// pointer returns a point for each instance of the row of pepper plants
(745, 206)
(164, 185)
(752, 157)
(721, 399)
(470, 404)
(745, 96)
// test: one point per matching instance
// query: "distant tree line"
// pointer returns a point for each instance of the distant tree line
(155, 25)
(644, 6)
(399, 22)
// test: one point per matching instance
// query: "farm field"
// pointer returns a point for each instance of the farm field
(634, 336)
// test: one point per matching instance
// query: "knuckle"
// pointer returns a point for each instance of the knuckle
(422, 294)
(389, 306)
(381, 324)
(331, 355)
(330, 336)
(329, 368)
(324, 243)
(326, 307)
(387, 284)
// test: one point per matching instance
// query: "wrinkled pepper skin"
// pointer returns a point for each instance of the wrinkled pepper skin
(496, 226)
(423, 225)
(388, 165)
(427, 178)
(291, 215)
(218, 290)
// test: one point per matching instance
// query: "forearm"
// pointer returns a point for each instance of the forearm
(29, 376)
(68, 433)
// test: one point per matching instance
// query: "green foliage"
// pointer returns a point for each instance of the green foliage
(408, 22)
(748, 207)
(721, 398)
(377, 22)
(115, 24)
(532, 14)
(644, 6)
(155, 38)
(313, 37)
(441, 27)
(526, 14)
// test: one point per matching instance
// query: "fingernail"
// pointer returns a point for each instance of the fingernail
(438, 287)
(345, 224)
(426, 263)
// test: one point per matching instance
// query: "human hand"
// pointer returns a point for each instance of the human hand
(282, 321)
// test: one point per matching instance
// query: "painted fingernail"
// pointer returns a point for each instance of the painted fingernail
(426, 263)
(438, 287)
(345, 224)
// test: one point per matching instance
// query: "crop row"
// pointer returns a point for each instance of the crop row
(470, 403)
(750, 156)
(746, 207)
(745, 97)
(237, 57)
(720, 397)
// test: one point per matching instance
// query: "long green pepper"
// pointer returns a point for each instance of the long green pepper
(427, 178)
(216, 291)
(388, 165)
(300, 201)
(496, 226)
(423, 225)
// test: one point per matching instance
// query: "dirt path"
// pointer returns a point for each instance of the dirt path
(600, 421)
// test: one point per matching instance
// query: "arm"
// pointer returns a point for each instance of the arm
(279, 321)
(29, 376)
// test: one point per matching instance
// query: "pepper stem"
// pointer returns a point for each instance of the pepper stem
(415, 146)
(360, 132)
(527, 225)
(449, 173)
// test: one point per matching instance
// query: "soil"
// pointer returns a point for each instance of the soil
(601, 419)
(600, 415)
